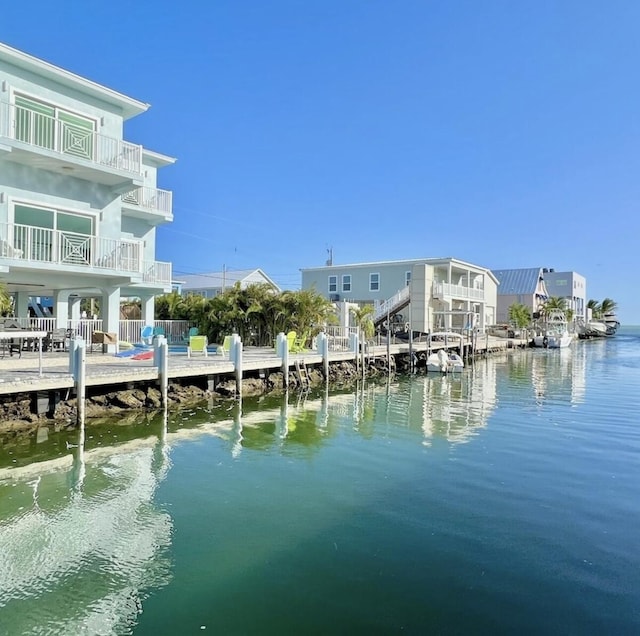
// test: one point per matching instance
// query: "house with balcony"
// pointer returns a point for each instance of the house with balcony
(524, 286)
(79, 204)
(429, 294)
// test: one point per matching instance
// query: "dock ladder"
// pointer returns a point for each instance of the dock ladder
(303, 375)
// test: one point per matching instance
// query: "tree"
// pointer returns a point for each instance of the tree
(6, 303)
(519, 315)
(363, 317)
(594, 305)
(554, 303)
(306, 312)
(608, 306)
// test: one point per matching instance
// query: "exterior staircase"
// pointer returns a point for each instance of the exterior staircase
(392, 306)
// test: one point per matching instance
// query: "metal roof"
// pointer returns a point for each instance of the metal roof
(518, 281)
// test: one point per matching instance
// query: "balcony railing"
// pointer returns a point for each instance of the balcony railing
(68, 139)
(447, 290)
(150, 199)
(31, 244)
(156, 272)
(42, 245)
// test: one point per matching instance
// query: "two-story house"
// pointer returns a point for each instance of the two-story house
(79, 205)
(443, 293)
(524, 286)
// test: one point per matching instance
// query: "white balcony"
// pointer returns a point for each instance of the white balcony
(447, 291)
(148, 203)
(156, 273)
(25, 246)
(48, 143)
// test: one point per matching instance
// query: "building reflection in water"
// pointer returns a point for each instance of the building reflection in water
(557, 373)
(81, 540)
(450, 407)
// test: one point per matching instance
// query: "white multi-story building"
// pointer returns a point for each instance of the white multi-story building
(79, 205)
(443, 293)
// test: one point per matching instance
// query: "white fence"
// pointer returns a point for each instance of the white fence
(176, 331)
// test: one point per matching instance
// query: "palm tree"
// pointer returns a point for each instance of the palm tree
(520, 315)
(554, 303)
(608, 306)
(596, 310)
(363, 317)
(307, 311)
(6, 304)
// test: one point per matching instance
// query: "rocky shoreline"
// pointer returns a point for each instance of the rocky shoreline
(17, 413)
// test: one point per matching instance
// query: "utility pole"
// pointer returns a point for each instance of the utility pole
(329, 262)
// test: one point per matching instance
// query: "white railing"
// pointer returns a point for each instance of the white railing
(176, 331)
(68, 139)
(447, 290)
(156, 272)
(388, 305)
(42, 245)
(338, 337)
(150, 199)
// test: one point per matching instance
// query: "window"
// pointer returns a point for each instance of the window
(346, 283)
(374, 282)
(407, 278)
(34, 234)
(333, 284)
(50, 127)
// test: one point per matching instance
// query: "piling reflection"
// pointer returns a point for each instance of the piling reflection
(449, 407)
(554, 374)
(84, 525)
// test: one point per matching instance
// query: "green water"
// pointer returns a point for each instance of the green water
(503, 501)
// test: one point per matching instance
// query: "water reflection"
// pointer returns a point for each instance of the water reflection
(554, 374)
(81, 540)
(452, 408)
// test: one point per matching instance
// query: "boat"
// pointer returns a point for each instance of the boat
(443, 360)
(611, 322)
(592, 329)
(555, 334)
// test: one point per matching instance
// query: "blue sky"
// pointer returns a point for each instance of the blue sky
(502, 133)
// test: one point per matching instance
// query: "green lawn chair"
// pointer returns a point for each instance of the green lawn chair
(197, 344)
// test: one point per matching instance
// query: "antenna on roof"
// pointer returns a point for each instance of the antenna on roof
(329, 261)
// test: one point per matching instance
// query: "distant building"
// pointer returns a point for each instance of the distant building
(212, 284)
(442, 292)
(568, 285)
(523, 286)
(534, 285)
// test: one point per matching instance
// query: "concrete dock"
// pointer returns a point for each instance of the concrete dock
(22, 374)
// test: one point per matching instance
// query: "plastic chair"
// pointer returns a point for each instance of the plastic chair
(146, 335)
(197, 344)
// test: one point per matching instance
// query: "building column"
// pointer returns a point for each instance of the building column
(74, 308)
(148, 308)
(21, 304)
(61, 307)
(110, 313)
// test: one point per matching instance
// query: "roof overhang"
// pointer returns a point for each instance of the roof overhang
(129, 106)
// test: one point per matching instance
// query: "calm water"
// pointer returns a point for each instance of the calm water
(504, 501)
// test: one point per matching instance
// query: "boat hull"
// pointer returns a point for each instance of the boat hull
(553, 341)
